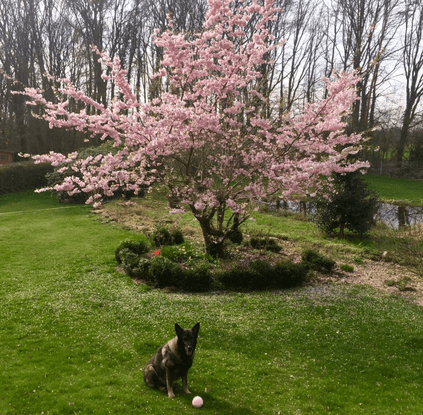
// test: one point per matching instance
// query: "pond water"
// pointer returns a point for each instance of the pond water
(398, 216)
(393, 215)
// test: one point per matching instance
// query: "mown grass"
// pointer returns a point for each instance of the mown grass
(75, 333)
(396, 190)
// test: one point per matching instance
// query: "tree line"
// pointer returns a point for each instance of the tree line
(381, 39)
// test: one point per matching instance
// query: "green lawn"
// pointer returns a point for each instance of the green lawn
(76, 334)
(391, 189)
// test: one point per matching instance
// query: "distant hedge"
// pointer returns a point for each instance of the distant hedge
(18, 177)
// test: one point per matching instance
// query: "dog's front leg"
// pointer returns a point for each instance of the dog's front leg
(185, 382)
(169, 384)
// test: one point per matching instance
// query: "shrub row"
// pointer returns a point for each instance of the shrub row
(260, 275)
(18, 177)
(183, 267)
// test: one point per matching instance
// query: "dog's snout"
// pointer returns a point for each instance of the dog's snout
(189, 347)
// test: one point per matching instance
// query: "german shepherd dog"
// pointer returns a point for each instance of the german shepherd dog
(172, 361)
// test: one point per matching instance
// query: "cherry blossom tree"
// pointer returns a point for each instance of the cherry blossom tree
(203, 139)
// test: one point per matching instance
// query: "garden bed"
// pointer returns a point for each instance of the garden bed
(382, 273)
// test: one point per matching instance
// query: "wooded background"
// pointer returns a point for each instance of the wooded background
(382, 39)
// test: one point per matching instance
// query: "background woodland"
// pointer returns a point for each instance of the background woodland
(382, 39)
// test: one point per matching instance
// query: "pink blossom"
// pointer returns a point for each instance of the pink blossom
(195, 139)
(231, 204)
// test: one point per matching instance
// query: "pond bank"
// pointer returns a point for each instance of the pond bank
(393, 215)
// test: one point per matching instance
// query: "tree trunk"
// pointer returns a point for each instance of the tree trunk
(213, 248)
(404, 135)
(341, 230)
(213, 239)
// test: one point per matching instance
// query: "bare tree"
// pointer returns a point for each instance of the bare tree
(413, 70)
(40, 36)
(188, 16)
(364, 31)
(89, 21)
(296, 60)
(17, 58)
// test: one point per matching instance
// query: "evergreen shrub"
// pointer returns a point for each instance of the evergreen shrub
(18, 177)
(163, 236)
(352, 206)
(165, 273)
(183, 267)
(238, 279)
(137, 247)
(260, 275)
(289, 274)
(129, 260)
(141, 269)
(177, 236)
(265, 243)
(317, 261)
(198, 278)
(235, 236)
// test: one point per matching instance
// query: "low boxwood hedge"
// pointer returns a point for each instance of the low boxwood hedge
(169, 267)
(260, 275)
(317, 261)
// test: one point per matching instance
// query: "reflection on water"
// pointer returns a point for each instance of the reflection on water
(393, 215)
(398, 216)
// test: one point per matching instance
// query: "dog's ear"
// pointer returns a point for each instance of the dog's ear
(179, 330)
(196, 328)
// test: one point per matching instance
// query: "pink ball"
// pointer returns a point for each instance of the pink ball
(197, 402)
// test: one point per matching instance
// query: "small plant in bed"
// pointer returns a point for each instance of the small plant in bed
(317, 261)
(180, 266)
(139, 247)
(266, 243)
(162, 235)
(185, 252)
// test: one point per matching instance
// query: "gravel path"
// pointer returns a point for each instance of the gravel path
(376, 274)
(371, 273)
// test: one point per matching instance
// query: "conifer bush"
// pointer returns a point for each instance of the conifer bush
(18, 177)
(288, 274)
(236, 236)
(260, 275)
(129, 260)
(352, 206)
(161, 236)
